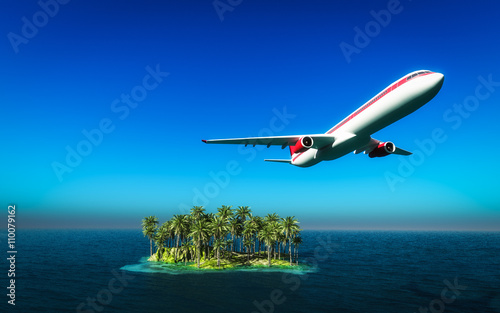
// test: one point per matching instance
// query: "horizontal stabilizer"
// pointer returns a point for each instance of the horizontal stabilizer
(280, 161)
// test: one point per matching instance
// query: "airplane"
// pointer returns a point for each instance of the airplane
(353, 134)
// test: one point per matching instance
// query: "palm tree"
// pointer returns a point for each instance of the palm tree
(259, 225)
(186, 247)
(170, 233)
(248, 244)
(225, 211)
(219, 244)
(267, 235)
(297, 240)
(229, 246)
(242, 212)
(209, 218)
(249, 229)
(197, 212)
(289, 228)
(281, 239)
(178, 226)
(219, 227)
(255, 224)
(272, 217)
(148, 229)
(160, 238)
(234, 229)
(188, 221)
(274, 227)
(200, 233)
(239, 234)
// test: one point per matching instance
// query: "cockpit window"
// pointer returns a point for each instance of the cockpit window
(416, 74)
(411, 76)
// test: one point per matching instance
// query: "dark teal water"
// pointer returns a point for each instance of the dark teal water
(348, 271)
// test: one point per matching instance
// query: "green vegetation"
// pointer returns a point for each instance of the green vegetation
(148, 229)
(208, 240)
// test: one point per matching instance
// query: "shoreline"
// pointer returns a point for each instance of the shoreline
(231, 260)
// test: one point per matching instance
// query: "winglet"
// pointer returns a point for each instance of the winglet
(204, 141)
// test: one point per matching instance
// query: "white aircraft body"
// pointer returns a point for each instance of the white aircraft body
(354, 132)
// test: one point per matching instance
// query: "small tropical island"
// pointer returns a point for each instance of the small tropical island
(228, 239)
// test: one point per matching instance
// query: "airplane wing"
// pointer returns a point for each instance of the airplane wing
(319, 140)
(374, 143)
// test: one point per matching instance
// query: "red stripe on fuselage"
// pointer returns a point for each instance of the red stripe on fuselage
(368, 104)
(374, 100)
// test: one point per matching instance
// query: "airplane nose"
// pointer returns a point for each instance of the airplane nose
(439, 78)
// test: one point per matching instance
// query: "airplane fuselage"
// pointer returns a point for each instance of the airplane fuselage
(399, 99)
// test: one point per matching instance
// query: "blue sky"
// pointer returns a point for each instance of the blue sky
(191, 71)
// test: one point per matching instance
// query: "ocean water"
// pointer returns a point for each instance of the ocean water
(346, 271)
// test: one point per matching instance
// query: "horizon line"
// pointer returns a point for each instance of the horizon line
(138, 228)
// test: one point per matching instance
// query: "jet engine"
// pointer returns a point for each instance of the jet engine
(303, 143)
(306, 141)
(383, 149)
